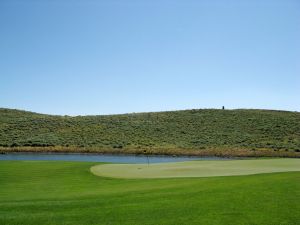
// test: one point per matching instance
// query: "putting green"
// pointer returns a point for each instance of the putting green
(197, 168)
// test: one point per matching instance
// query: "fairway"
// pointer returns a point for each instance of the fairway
(67, 193)
(197, 168)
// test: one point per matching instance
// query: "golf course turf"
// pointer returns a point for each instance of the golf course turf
(50, 192)
(202, 168)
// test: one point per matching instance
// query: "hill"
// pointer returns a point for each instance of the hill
(195, 132)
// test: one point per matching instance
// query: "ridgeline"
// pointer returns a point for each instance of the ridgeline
(188, 132)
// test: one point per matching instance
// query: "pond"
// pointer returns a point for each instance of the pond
(102, 157)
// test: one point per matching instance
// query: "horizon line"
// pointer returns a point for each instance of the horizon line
(143, 112)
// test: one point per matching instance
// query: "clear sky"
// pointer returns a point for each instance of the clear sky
(117, 56)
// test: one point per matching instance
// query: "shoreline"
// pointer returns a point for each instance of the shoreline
(226, 153)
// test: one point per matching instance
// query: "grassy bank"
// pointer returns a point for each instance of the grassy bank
(188, 132)
(233, 152)
(67, 193)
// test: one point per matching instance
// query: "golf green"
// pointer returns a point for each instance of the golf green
(200, 168)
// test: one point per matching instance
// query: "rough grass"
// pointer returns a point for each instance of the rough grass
(67, 193)
(192, 132)
(197, 168)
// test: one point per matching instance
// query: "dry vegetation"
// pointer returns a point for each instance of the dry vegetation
(190, 132)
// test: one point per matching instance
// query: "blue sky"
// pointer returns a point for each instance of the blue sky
(107, 57)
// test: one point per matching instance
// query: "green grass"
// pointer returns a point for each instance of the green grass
(199, 132)
(67, 193)
(200, 168)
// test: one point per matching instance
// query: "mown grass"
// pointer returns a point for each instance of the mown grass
(198, 132)
(201, 168)
(67, 193)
